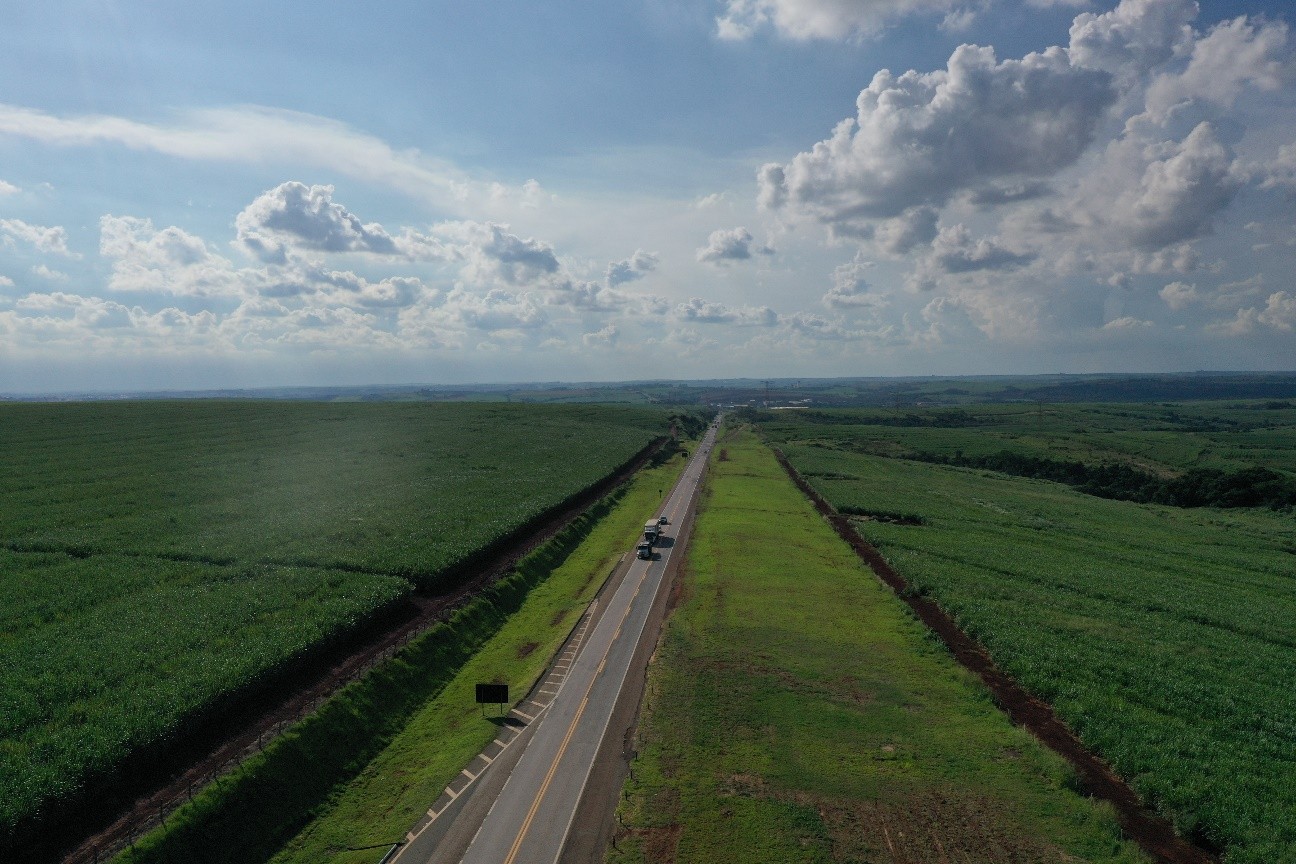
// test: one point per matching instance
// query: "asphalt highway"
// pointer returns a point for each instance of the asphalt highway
(522, 809)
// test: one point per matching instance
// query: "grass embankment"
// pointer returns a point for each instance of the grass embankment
(366, 767)
(1163, 637)
(798, 713)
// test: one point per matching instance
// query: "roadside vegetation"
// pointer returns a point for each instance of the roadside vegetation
(159, 560)
(796, 712)
(1161, 635)
(366, 767)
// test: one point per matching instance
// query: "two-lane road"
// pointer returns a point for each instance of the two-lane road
(530, 820)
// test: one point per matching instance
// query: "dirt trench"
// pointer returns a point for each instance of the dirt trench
(1155, 835)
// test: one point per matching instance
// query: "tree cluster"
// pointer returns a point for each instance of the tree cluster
(1198, 487)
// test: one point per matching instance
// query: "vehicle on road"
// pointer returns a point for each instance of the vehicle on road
(652, 530)
(644, 551)
(662, 520)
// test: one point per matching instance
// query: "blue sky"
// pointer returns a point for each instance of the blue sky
(246, 194)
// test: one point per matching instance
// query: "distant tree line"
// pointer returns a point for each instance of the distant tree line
(951, 418)
(691, 424)
(1198, 487)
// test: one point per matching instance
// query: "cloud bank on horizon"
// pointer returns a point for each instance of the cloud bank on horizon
(1122, 196)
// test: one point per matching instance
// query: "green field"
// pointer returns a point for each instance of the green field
(365, 768)
(1162, 635)
(157, 558)
(1162, 438)
(796, 712)
(396, 788)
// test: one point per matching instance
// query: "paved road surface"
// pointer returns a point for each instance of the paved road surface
(521, 810)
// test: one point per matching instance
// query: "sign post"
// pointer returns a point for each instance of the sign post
(492, 694)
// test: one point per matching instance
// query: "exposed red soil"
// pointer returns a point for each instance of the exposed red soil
(140, 798)
(1154, 834)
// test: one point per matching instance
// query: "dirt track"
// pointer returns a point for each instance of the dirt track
(1154, 834)
(85, 836)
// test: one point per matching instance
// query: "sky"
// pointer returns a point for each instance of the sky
(237, 194)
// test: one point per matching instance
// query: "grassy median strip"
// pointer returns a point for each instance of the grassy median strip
(366, 766)
(797, 713)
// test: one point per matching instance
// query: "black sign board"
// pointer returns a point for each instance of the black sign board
(492, 694)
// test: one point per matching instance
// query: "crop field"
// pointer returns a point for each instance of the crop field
(1165, 437)
(365, 767)
(395, 789)
(1162, 635)
(796, 712)
(158, 558)
(362, 487)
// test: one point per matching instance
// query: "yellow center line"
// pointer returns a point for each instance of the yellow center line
(553, 769)
(571, 730)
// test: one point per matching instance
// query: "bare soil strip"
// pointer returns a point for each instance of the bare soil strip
(91, 835)
(1155, 835)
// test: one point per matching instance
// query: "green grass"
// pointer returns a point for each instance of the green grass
(1162, 636)
(159, 558)
(370, 764)
(798, 713)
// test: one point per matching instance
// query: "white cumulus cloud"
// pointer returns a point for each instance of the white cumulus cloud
(604, 338)
(849, 287)
(166, 261)
(294, 215)
(635, 267)
(1184, 186)
(1180, 295)
(1233, 56)
(954, 251)
(920, 138)
(699, 311)
(730, 244)
(48, 273)
(45, 239)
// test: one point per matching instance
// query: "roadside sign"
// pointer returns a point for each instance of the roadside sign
(492, 694)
